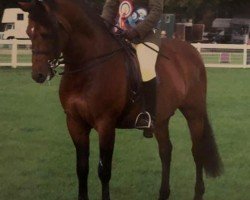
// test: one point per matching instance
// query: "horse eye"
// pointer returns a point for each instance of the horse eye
(46, 35)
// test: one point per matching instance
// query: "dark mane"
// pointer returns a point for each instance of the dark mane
(91, 9)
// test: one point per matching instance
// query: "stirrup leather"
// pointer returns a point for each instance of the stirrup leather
(149, 120)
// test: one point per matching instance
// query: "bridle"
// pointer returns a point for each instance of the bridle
(88, 64)
(55, 50)
(58, 61)
(53, 64)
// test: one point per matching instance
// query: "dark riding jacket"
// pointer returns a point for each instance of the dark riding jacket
(145, 27)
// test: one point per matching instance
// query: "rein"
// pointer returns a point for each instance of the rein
(56, 62)
(87, 64)
(92, 62)
(136, 40)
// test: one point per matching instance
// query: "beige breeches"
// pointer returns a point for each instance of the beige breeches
(147, 60)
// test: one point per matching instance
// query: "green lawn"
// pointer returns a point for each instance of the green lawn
(37, 158)
(210, 58)
(6, 58)
(215, 58)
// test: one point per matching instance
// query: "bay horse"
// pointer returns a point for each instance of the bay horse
(96, 97)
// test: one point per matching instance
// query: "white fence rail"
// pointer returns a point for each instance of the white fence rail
(17, 53)
(225, 55)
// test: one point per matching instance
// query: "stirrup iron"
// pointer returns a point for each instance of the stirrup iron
(149, 121)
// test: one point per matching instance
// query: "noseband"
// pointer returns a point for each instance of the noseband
(52, 63)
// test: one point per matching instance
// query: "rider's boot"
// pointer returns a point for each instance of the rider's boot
(144, 119)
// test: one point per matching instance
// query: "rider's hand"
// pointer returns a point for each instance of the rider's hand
(131, 34)
(109, 26)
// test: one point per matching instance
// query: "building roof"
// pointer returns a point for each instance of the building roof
(242, 21)
(221, 23)
(10, 15)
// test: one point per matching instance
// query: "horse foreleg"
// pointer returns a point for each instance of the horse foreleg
(80, 136)
(165, 149)
(106, 142)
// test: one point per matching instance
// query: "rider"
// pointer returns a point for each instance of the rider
(137, 18)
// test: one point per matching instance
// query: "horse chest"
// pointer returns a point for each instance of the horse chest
(73, 105)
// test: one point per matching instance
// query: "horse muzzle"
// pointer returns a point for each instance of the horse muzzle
(39, 77)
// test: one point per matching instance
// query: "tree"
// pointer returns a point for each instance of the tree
(202, 11)
(6, 4)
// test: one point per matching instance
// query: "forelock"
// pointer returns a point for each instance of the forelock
(40, 15)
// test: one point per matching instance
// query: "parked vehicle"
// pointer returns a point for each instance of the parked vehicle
(229, 30)
(241, 30)
(15, 22)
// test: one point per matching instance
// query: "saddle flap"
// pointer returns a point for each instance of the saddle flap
(133, 71)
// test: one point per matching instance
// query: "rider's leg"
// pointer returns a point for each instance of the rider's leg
(147, 59)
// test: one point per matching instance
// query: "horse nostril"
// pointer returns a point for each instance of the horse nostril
(41, 78)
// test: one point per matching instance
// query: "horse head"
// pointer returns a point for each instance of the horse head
(61, 26)
(48, 33)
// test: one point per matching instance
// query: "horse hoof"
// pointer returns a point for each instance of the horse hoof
(164, 195)
(198, 197)
(148, 133)
(83, 197)
(163, 198)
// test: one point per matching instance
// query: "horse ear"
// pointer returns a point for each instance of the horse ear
(45, 4)
(25, 6)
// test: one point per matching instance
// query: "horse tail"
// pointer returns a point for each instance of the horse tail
(210, 156)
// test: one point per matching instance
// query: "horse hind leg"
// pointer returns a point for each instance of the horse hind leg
(204, 148)
(165, 150)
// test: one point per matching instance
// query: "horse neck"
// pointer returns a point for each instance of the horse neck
(81, 48)
(88, 39)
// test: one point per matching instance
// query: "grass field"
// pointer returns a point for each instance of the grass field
(37, 158)
(209, 58)
(215, 58)
(20, 58)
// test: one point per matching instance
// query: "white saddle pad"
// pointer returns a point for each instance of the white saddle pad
(147, 60)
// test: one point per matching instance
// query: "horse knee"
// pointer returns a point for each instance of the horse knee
(82, 171)
(104, 172)
(82, 165)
